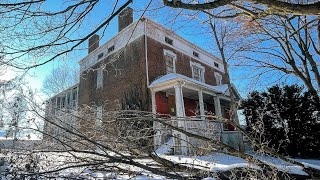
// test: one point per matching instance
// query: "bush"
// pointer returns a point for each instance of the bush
(287, 118)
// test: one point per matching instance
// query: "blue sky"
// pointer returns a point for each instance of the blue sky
(184, 25)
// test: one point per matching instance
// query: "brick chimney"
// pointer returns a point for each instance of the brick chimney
(125, 18)
(93, 43)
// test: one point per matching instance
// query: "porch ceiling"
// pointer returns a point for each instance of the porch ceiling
(191, 94)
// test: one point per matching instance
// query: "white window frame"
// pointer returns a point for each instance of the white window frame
(199, 66)
(174, 56)
(100, 77)
(218, 77)
(99, 116)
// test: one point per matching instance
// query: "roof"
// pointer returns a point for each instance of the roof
(173, 76)
(221, 89)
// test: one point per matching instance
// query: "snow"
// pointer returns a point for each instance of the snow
(166, 147)
(282, 165)
(309, 163)
(214, 162)
(173, 76)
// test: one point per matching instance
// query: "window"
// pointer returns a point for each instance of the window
(110, 49)
(169, 64)
(168, 40)
(100, 56)
(68, 99)
(195, 54)
(216, 64)
(99, 78)
(197, 71)
(170, 60)
(58, 103)
(99, 116)
(63, 102)
(74, 97)
(218, 79)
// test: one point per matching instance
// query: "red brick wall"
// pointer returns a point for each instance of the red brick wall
(157, 67)
(190, 107)
(119, 77)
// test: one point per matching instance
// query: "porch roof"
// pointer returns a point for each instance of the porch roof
(173, 77)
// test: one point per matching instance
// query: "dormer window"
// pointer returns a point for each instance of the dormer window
(216, 64)
(197, 71)
(195, 54)
(218, 78)
(110, 49)
(168, 40)
(170, 60)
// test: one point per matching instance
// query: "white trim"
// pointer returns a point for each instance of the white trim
(158, 32)
(119, 41)
(175, 36)
(194, 64)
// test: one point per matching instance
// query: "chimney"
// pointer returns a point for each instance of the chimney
(93, 43)
(125, 18)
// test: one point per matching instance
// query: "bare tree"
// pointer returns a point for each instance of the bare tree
(60, 79)
(288, 46)
(33, 34)
(250, 8)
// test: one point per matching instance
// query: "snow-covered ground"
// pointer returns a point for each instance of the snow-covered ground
(215, 162)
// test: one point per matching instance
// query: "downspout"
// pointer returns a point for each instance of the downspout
(146, 50)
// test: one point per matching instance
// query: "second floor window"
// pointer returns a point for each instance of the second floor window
(99, 78)
(169, 64)
(218, 78)
(197, 71)
(170, 60)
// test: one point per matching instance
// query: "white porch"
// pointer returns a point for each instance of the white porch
(204, 99)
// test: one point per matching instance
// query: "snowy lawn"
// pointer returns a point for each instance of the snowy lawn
(215, 162)
(222, 162)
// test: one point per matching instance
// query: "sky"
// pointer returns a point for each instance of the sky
(185, 25)
(188, 25)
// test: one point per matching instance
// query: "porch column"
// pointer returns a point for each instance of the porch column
(153, 102)
(217, 106)
(217, 109)
(201, 104)
(180, 113)
(156, 125)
